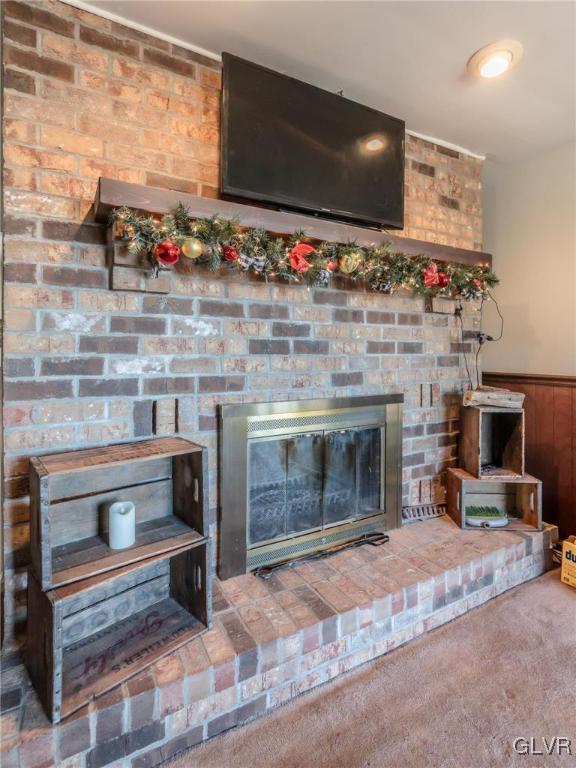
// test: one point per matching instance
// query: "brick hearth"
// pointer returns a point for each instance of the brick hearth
(274, 640)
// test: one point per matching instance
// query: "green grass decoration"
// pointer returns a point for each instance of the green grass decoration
(484, 512)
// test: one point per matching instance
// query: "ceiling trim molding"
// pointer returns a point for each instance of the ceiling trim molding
(89, 8)
(97, 11)
(447, 144)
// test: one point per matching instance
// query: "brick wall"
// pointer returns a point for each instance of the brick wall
(85, 97)
(443, 195)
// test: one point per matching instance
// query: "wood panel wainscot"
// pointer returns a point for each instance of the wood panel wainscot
(550, 412)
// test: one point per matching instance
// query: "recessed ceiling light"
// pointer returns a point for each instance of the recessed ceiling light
(495, 59)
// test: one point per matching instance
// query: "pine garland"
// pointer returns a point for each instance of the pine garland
(217, 241)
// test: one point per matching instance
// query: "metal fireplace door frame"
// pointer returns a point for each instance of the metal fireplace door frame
(240, 422)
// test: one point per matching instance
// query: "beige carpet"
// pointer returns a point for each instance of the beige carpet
(456, 698)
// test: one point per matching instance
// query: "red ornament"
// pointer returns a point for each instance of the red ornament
(477, 282)
(298, 255)
(331, 266)
(430, 275)
(167, 253)
(230, 253)
(443, 279)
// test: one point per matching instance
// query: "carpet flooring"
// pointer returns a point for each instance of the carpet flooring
(455, 698)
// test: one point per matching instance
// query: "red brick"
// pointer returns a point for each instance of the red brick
(85, 278)
(164, 386)
(64, 230)
(71, 141)
(186, 53)
(36, 390)
(19, 131)
(38, 17)
(41, 64)
(21, 178)
(18, 155)
(73, 52)
(224, 676)
(221, 383)
(19, 81)
(108, 42)
(16, 368)
(139, 325)
(72, 366)
(397, 603)
(347, 379)
(405, 318)
(15, 416)
(221, 309)
(38, 753)
(107, 387)
(19, 34)
(161, 59)
(135, 34)
(20, 273)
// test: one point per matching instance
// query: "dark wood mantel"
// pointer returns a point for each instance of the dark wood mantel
(114, 194)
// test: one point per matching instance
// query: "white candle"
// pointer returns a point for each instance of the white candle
(121, 525)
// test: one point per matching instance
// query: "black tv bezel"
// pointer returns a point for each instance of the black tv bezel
(288, 203)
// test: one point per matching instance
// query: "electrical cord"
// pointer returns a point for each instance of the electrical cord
(499, 315)
(459, 310)
(484, 337)
(476, 365)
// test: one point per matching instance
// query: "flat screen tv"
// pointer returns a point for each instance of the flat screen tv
(294, 146)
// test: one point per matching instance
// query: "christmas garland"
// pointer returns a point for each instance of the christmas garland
(216, 241)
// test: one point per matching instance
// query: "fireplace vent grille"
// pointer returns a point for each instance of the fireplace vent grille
(257, 559)
(315, 420)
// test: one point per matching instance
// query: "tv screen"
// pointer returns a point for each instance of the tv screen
(290, 144)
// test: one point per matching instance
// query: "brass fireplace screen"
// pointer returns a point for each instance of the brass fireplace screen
(298, 477)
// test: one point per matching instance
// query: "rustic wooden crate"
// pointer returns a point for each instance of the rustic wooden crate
(70, 494)
(492, 437)
(519, 497)
(85, 638)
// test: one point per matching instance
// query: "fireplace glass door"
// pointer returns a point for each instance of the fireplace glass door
(308, 482)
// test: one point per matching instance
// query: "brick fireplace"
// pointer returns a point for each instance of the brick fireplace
(116, 366)
(86, 97)
(87, 366)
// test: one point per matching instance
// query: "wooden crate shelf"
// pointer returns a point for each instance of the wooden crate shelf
(519, 497)
(492, 441)
(71, 492)
(92, 635)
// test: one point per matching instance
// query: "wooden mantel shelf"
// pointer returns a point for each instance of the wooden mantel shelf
(114, 194)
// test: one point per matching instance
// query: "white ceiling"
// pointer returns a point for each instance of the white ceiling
(405, 58)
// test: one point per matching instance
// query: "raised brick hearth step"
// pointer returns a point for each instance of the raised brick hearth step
(273, 640)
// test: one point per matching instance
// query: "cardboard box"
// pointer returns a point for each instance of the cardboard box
(568, 573)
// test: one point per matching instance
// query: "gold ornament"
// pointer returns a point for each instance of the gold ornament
(192, 248)
(350, 262)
